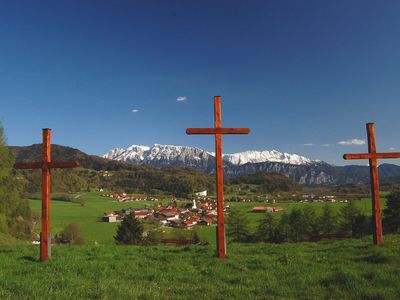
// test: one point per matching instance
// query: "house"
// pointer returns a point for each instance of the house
(201, 194)
(276, 209)
(142, 214)
(163, 221)
(171, 216)
(188, 224)
(206, 222)
(212, 214)
(110, 217)
(262, 209)
(267, 209)
(175, 223)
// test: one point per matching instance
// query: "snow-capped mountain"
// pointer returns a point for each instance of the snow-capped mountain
(194, 157)
(266, 156)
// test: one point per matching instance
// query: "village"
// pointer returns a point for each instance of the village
(201, 210)
(195, 213)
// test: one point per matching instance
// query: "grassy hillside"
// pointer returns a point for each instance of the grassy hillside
(349, 269)
(87, 216)
(345, 269)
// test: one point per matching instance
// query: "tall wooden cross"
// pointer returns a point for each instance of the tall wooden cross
(46, 164)
(373, 157)
(218, 131)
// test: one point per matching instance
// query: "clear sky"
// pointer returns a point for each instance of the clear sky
(303, 75)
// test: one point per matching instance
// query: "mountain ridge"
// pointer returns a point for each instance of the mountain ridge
(317, 173)
(146, 155)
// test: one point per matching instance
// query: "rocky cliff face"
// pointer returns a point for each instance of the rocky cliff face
(299, 168)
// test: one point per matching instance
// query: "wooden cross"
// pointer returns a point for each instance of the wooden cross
(46, 164)
(218, 131)
(373, 157)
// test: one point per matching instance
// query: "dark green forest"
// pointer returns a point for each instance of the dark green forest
(15, 213)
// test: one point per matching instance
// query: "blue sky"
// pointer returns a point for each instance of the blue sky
(303, 75)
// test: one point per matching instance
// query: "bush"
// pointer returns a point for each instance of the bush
(352, 219)
(238, 226)
(130, 231)
(391, 214)
(328, 220)
(71, 234)
(267, 230)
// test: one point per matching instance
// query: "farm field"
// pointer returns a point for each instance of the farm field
(346, 269)
(93, 230)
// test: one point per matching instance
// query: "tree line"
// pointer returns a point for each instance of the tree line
(15, 213)
(305, 224)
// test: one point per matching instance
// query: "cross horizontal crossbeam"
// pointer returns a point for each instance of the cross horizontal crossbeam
(217, 131)
(51, 165)
(371, 155)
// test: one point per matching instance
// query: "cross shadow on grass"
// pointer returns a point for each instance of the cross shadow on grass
(29, 258)
(375, 258)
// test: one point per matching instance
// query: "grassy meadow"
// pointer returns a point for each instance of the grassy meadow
(93, 230)
(344, 269)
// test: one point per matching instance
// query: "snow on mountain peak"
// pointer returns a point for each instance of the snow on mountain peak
(242, 158)
(164, 153)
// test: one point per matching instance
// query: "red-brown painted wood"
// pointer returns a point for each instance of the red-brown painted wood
(46, 156)
(46, 165)
(373, 157)
(218, 131)
(219, 181)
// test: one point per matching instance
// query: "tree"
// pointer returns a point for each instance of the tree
(283, 229)
(16, 212)
(238, 226)
(130, 231)
(267, 229)
(391, 214)
(71, 234)
(362, 226)
(349, 214)
(328, 221)
(310, 223)
(296, 229)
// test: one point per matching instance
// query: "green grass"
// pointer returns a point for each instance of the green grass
(345, 269)
(87, 217)
(348, 269)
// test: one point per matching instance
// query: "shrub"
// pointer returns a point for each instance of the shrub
(130, 231)
(71, 234)
(391, 214)
(238, 226)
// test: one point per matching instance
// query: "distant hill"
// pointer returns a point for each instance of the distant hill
(268, 182)
(121, 176)
(63, 153)
(309, 173)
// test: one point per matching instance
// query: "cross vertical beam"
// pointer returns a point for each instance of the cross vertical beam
(221, 243)
(45, 234)
(46, 165)
(373, 157)
(218, 131)
(373, 169)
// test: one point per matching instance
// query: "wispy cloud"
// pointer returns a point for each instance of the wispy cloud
(181, 98)
(392, 148)
(135, 110)
(308, 144)
(327, 145)
(353, 142)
